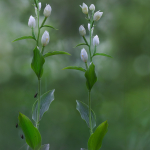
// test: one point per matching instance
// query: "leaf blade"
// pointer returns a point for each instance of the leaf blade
(84, 112)
(46, 100)
(32, 135)
(75, 68)
(95, 140)
(45, 147)
(37, 62)
(48, 27)
(91, 77)
(102, 54)
(55, 53)
(80, 45)
(24, 37)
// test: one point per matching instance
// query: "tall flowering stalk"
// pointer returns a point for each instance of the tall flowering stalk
(87, 114)
(41, 105)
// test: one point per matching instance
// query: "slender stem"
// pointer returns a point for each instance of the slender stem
(90, 120)
(42, 50)
(86, 65)
(38, 26)
(43, 22)
(90, 41)
(39, 101)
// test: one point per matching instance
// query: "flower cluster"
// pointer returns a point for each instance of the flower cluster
(32, 22)
(95, 16)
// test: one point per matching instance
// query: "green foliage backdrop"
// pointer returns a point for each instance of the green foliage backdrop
(121, 95)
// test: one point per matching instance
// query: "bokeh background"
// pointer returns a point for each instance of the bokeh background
(121, 95)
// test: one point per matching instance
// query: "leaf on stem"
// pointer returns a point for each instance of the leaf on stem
(75, 68)
(32, 135)
(37, 63)
(45, 147)
(91, 77)
(95, 140)
(55, 53)
(46, 100)
(80, 44)
(48, 27)
(84, 112)
(102, 54)
(24, 37)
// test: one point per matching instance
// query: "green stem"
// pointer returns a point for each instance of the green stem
(86, 65)
(38, 26)
(43, 22)
(90, 41)
(90, 122)
(39, 101)
(85, 41)
(42, 50)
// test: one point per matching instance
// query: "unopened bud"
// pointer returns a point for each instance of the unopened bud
(82, 31)
(45, 38)
(92, 7)
(96, 40)
(32, 22)
(47, 10)
(84, 55)
(97, 15)
(84, 8)
(39, 8)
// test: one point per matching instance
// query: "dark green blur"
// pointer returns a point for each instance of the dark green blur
(121, 95)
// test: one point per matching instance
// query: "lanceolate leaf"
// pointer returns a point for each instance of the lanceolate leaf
(48, 27)
(91, 77)
(75, 68)
(45, 147)
(102, 54)
(24, 37)
(37, 62)
(32, 135)
(46, 100)
(80, 44)
(84, 112)
(95, 140)
(55, 53)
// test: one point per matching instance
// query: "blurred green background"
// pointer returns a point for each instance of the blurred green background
(120, 96)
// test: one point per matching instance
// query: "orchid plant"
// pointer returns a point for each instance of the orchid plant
(41, 105)
(87, 114)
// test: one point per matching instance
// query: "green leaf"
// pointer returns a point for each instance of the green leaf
(84, 112)
(46, 100)
(91, 77)
(80, 44)
(48, 27)
(55, 53)
(32, 135)
(102, 54)
(45, 147)
(95, 140)
(24, 37)
(37, 62)
(75, 68)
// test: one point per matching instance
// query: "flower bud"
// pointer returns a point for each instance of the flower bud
(95, 40)
(97, 15)
(84, 8)
(39, 8)
(47, 10)
(82, 31)
(45, 38)
(32, 22)
(89, 27)
(92, 7)
(84, 55)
